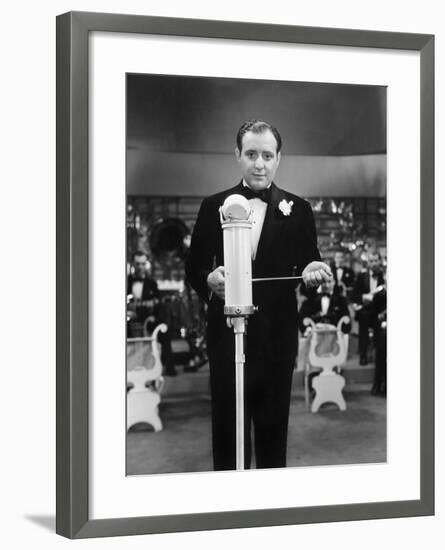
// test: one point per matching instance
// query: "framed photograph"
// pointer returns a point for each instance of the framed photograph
(161, 120)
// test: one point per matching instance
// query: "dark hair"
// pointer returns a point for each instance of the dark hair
(139, 253)
(257, 127)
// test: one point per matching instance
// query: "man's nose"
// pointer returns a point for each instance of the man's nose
(259, 162)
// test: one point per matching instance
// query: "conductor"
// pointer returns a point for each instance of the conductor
(283, 243)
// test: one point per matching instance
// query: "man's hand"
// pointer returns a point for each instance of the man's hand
(316, 273)
(216, 283)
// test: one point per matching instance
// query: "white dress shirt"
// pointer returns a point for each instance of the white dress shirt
(136, 290)
(325, 301)
(259, 208)
(373, 282)
(339, 274)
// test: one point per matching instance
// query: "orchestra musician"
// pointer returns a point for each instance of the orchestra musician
(379, 323)
(325, 306)
(144, 310)
(142, 294)
(366, 285)
(343, 275)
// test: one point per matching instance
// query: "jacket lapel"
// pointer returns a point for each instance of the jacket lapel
(271, 231)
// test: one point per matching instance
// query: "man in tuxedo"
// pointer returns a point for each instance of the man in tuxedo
(283, 243)
(142, 295)
(325, 306)
(378, 306)
(366, 285)
(343, 275)
(143, 309)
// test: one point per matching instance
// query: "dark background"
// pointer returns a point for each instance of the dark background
(181, 134)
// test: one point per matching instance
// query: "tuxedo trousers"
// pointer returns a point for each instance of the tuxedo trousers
(267, 391)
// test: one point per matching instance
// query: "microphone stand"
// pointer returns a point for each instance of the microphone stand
(235, 217)
(239, 328)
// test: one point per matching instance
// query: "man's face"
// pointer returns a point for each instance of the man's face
(327, 286)
(375, 264)
(338, 259)
(258, 159)
(140, 265)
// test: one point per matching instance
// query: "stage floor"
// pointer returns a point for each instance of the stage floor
(329, 437)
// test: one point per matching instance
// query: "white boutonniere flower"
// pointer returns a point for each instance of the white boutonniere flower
(285, 207)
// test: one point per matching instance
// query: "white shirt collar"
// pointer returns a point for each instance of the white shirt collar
(245, 185)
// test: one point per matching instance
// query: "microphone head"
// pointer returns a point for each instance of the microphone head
(236, 207)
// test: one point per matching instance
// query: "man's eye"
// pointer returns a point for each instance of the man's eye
(267, 157)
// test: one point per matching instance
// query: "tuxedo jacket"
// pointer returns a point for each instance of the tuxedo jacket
(362, 285)
(149, 292)
(149, 288)
(347, 277)
(312, 307)
(378, 305)
(287, 244)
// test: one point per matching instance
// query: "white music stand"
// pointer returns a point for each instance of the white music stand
(144, 376)
(328, 385)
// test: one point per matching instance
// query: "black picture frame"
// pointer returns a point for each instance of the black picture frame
(72, 245)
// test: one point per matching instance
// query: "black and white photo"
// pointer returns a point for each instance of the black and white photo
(310, 161)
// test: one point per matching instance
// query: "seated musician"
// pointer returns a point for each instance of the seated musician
(343, 274)
(143, 308)
(142, 296)
(327, 305)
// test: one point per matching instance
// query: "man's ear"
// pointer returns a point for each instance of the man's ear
(237, 154)
(278, 158)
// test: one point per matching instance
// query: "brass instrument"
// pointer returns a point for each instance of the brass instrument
(169, 241)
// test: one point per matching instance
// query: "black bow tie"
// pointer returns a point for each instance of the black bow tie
(264, 194)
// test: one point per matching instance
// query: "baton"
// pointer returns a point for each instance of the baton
(259, 280)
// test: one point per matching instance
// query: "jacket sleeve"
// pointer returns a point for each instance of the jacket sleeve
(358, 290)
(344, 312)
(200, 260)
(309, 249)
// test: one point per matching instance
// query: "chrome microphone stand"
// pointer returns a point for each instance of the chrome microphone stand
(236, 224)
(235, 217)
(239, 328)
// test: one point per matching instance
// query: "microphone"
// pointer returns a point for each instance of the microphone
(236, 223)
